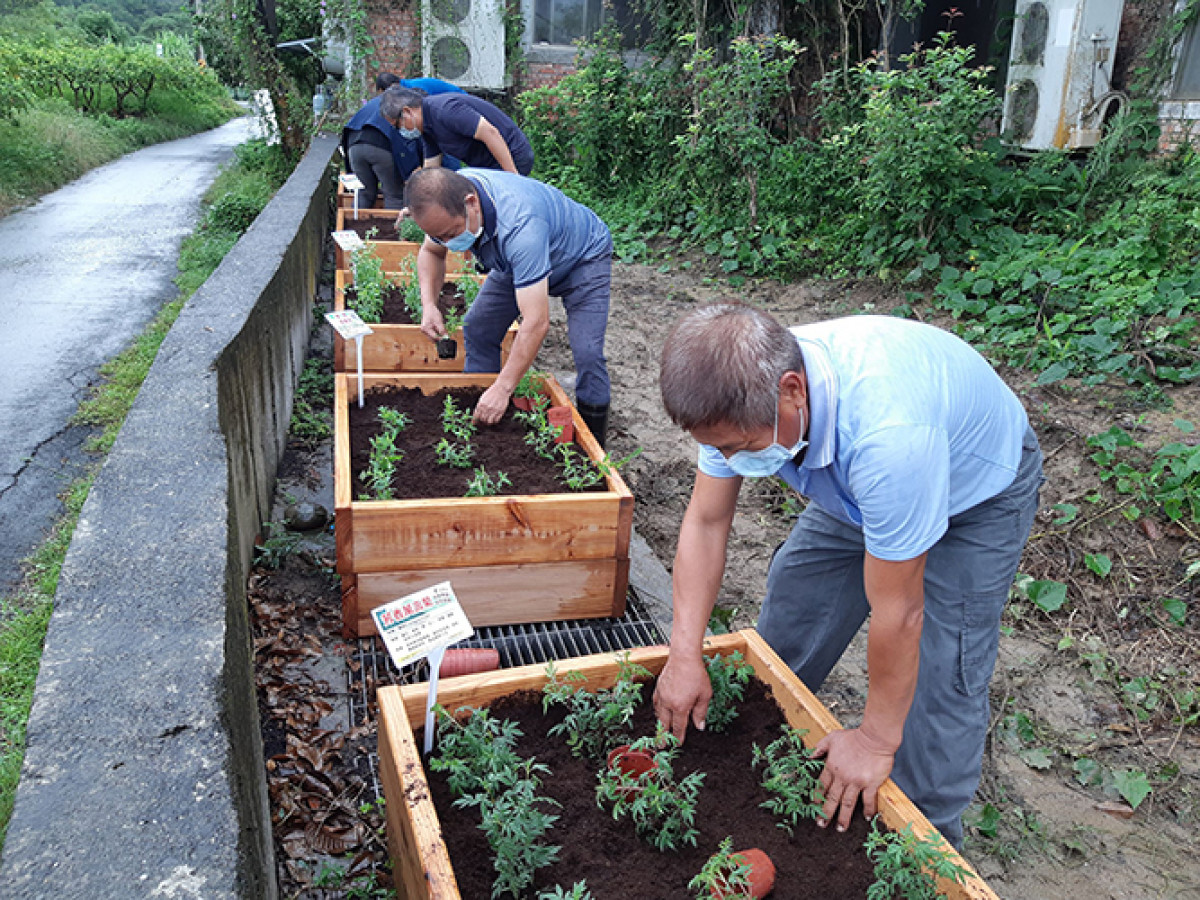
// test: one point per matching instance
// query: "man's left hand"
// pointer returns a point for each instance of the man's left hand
(491, 406)
(855, 765)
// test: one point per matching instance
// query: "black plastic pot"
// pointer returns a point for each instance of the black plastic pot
(447, 348)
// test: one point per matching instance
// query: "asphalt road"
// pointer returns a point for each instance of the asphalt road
(81, 275)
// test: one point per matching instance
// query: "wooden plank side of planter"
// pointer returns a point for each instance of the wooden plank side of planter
(400, 348)
(486, 543)
(801, 708)
(394, 254)
(414, 836)
(502, 595)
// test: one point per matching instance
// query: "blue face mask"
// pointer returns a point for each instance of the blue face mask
(463, 242)
(769, 460)
(411, 134)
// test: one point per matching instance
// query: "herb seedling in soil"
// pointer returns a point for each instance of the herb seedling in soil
(401, 304)
(497, 448)
(384, 227)
(610, 856)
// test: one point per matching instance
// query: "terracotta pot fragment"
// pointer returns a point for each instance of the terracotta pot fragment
(468, 661)
(762, 876)
(561, 416)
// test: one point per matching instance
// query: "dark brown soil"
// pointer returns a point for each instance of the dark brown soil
(619, 865)
(385, 226)
(498, 448)
(396, 311)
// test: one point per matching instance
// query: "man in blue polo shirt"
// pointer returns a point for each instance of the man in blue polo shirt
(922, 474)
(467, 128)
(534, 242)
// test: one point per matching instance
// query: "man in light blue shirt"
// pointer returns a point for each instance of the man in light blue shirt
(922, 474)
(534, 242)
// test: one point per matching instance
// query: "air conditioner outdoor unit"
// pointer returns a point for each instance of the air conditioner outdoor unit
(462, 41)
(1059, 92)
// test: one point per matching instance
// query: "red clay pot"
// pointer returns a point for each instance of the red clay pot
(468, 661)
(762, 876)
(561, 416)
(631, 762)
(525, 404)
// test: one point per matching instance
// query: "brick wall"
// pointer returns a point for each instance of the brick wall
(397, 39)
(544, 74)
(1179, 124)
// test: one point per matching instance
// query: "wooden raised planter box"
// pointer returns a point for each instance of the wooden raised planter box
(510, 558)
(394, 254)
(400, 348)
(423, 869)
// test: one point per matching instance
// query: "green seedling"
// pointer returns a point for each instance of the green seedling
(370, 283)
(907, 866)
(662, 809)
(725, 874)
(457, 423)
(455, 455)
(596, 721)
(481, 484)
(385, 457)
(729, 677)
(578, 891)
(793, 775)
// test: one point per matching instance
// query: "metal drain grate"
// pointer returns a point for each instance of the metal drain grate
(519, 645)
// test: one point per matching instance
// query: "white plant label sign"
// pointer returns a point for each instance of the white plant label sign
(348, 324)
(350, 182)
(349, 241)
(415, 625)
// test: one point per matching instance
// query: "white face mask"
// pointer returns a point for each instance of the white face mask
(770, 459)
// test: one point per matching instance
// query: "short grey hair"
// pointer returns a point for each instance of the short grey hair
(721, 365)
(402, 98)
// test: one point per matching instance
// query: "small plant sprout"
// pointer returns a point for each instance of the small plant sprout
(370, 283)
(481, 484)
(456, 455)
(579, 473)
(729, 677)
(385, 457)
(663, 810)
(456, 422)
(477, 753)
(793, 775)
(532, 383)
(596, 721)
(408, 230)
(578, 891)
(539, 433)
(907, 866)
(725, 875)
(412, 290)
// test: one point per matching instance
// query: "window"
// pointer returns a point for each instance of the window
(562, 22)
(1187, 72)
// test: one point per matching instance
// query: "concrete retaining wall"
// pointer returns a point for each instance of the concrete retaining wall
(143, 775)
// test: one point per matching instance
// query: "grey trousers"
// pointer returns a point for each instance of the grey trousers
(816, 603)
(585, 295)
(376, 169)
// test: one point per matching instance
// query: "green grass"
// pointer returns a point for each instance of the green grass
(52, 144)
(23, 621)
(24, 617)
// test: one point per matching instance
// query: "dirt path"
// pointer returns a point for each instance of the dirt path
(1100, 686)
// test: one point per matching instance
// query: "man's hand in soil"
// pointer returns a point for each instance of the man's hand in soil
(491, 406)
(432, 324)
(855, 765)
(683, 692)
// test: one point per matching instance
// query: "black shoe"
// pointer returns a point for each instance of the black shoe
(596, 419)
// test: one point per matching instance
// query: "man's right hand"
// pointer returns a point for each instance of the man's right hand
(432, 323)
(683, 693)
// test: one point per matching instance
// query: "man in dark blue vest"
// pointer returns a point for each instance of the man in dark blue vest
(377, 153)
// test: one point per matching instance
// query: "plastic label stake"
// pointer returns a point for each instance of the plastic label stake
(351, 183)
(349, 325)
(423, 624)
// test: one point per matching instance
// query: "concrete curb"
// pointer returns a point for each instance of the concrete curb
(143, 773)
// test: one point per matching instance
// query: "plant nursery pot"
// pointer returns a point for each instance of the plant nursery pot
(400, 347)
(423, 867)
(513, 558)
(525, 404)
(562, 417)
(447, 348)
(634, 763)
(762, 876)
(468, 661)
